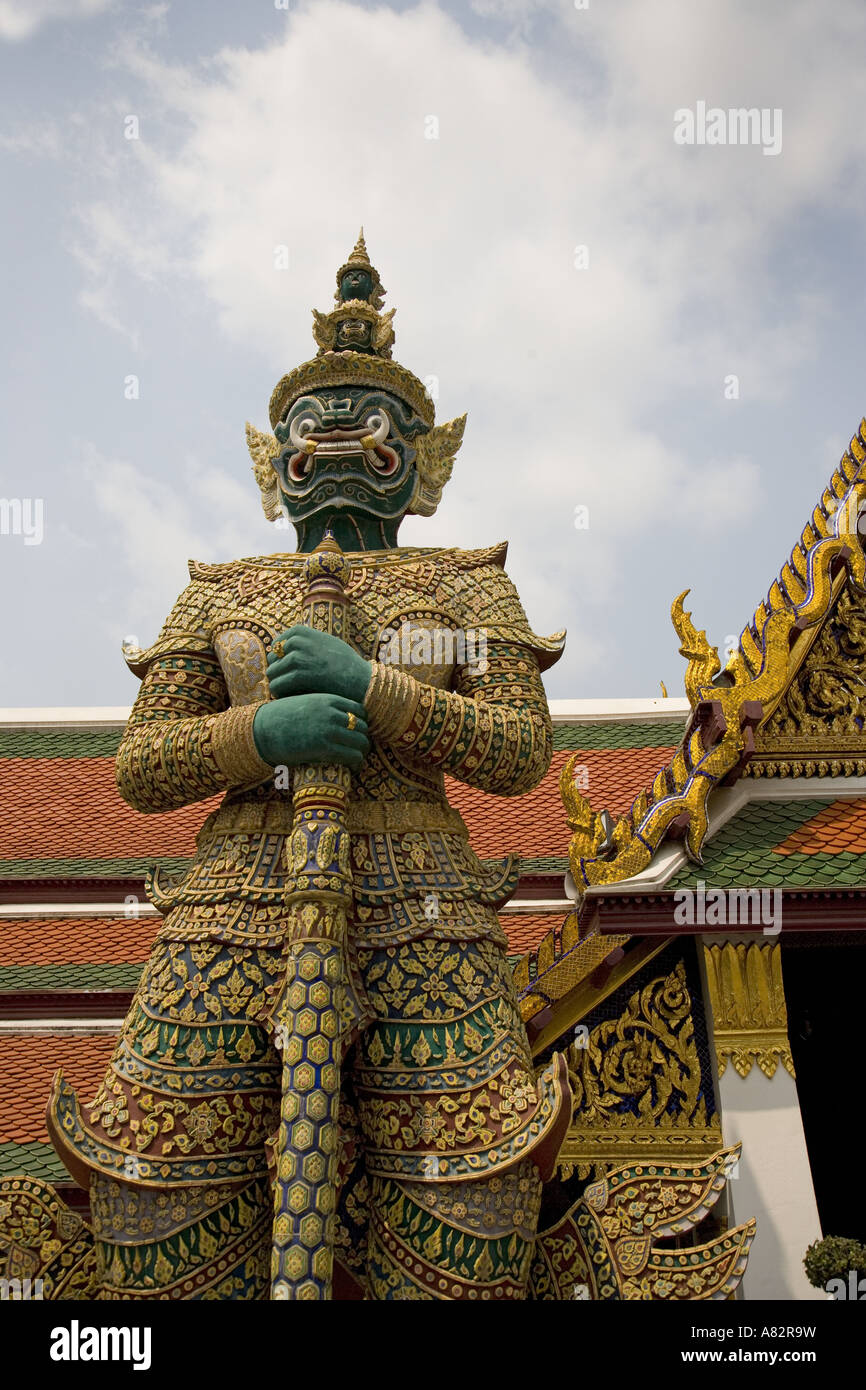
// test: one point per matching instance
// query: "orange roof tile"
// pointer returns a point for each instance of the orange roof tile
(534, 824)
(839, 826)
(76, 940)
(27, 1067)
(71, 807)
(526, 929)
(118, 941)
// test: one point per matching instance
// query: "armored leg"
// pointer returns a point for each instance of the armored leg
(457, 1129)
(187, 1243)
(173, 1144)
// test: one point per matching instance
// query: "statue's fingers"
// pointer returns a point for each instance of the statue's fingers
(349, 758)
(280, 644)
(342, 702)
(350, 720)
(275, 671)
(352, 738)
(287, 682)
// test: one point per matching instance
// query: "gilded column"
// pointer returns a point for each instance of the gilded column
(750, 1021)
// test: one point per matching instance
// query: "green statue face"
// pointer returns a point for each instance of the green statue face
(348, 466)
(356, 284)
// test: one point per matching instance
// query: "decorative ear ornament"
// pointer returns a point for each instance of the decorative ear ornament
(436, 451)
(264, 448)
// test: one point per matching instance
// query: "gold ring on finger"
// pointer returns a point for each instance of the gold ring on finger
(351, 718)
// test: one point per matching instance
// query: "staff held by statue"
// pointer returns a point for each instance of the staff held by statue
(307, 1015)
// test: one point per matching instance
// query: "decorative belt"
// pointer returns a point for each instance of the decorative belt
(364, 817)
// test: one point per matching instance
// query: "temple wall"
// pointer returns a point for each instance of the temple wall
(773, 1180)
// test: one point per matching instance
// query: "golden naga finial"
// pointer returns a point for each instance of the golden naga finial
(757, 676)
(586, 825)
(703, 658)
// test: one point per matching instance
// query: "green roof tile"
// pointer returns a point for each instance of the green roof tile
(48, 977)
(87, 868)
(102, 743)
(664, 733)
(34, 1160)
(743, 853)
(59, 743)
(544, 864)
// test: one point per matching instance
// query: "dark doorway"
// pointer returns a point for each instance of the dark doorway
(825, 989)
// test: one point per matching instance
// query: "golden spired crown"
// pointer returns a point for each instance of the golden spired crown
(354, 342)
(359, 260)
(354, 345)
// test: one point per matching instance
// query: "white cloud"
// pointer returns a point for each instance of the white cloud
(20, 19)
(482, 222)
(42, 140)
(474, 232)
(158, 525)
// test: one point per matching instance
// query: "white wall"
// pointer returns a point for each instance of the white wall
(773, 1182)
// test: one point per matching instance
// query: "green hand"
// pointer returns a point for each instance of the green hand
(311, 729)
(314, 662)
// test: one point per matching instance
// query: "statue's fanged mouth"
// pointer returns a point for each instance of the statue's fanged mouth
(368, 440)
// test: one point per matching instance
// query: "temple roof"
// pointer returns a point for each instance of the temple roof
(765, 789)
(28, 1062)
(71, 851)
(790, 702)
(814, 843)
(75, 826)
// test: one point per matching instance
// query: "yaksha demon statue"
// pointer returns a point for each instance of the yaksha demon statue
(324, 1087)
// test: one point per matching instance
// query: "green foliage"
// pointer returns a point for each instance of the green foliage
(832, 1258)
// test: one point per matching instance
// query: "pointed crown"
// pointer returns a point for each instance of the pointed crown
(354, 345)
(359, 260)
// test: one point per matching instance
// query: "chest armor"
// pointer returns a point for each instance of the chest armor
(407, 613)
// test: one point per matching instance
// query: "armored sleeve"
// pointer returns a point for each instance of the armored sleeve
(183, 741)
(493, 729)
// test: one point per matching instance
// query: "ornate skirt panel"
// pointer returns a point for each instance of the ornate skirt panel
(416, 883)
(192, 1090)
(438, 1089)
(453, 1242)
(186, 1243)
(443, 1077)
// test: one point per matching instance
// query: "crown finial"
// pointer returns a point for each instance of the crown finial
(324, 568)
(356, 324)
(359, 252)
(358, 278)
(354, 344)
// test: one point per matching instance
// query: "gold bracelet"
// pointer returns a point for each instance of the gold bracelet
(234, 748)
(390, 701)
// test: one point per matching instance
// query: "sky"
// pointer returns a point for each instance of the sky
(656, 336)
